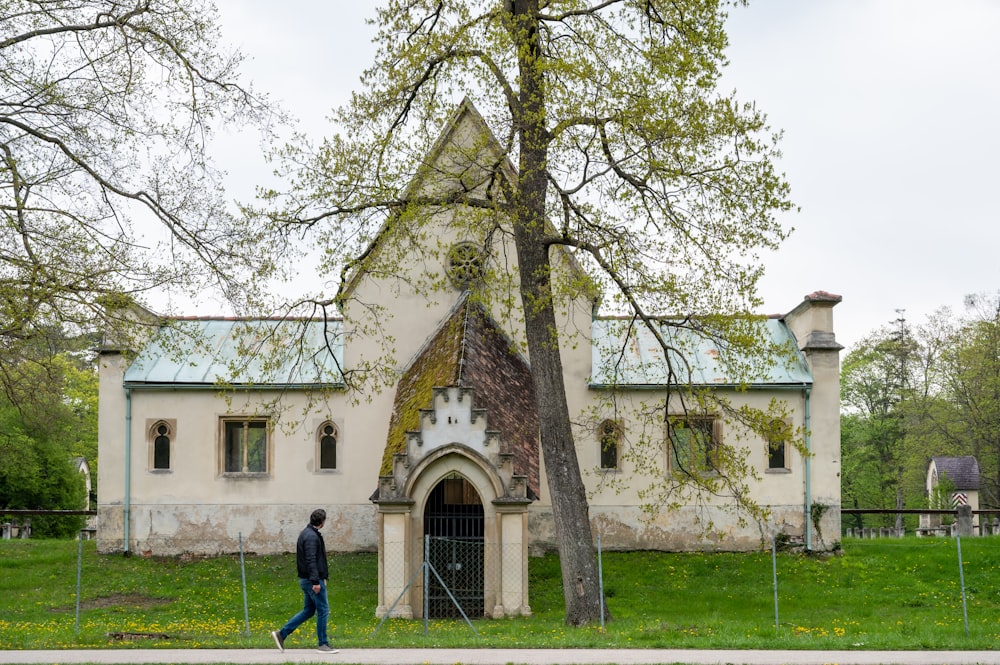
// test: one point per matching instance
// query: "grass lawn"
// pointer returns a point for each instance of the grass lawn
(878, 594)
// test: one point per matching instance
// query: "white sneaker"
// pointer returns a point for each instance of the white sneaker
(326, 648)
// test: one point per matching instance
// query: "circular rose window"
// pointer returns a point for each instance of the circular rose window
(465, 264)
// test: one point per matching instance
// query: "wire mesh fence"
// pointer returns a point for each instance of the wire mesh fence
(455, 578)
(86, 598)
(106, 600)
(456, 590)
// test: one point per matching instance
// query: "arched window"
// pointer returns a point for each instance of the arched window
(328, 446)
(161, 446)
(609, 435)
(778, 435)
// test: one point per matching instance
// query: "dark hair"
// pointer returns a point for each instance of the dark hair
(318, 517)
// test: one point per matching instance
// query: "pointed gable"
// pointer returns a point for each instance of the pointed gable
(466, 159)
(470, 351)
(466, 162)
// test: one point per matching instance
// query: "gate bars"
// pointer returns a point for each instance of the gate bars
(426, 568)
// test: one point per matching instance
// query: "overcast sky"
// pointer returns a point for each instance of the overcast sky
(889, 110)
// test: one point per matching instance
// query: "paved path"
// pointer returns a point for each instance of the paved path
(506, 656)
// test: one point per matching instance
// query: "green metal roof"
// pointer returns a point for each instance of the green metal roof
(626, 353)
(265, 353)
(258, 352)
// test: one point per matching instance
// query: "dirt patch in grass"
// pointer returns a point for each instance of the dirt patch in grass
(134, 637)
(123, 600)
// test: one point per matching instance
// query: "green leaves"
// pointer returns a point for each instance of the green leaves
(36, 464)
(106, 188)
(590, 140)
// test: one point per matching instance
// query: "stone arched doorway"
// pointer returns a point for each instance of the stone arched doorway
(454, 529)
(453, 478)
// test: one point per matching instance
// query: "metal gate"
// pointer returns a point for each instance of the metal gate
(453, 523)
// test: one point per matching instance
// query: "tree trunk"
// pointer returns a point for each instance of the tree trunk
(577, 556)
(571, 514)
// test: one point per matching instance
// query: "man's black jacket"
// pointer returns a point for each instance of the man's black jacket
(310, 555)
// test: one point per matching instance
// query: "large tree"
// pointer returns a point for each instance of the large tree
(971, 382)
(106, 187)
(875, 380)
(623, 151)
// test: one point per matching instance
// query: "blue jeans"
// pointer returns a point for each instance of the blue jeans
(313, 603)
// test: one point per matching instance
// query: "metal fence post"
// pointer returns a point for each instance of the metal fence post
(243, 575)
(961, 578)
(79, 574)
(600, 578)
(774, 575)
(427, 577)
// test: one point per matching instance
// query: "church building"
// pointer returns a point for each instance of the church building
(411, 419)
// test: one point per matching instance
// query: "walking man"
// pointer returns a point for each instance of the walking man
(310, 561)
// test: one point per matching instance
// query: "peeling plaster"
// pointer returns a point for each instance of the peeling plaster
(207, 530)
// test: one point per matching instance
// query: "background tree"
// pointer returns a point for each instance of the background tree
(950, 406)
(875, 381)
(957, 410)
(106, 188)
(623, 151)
(927, 411)
(40, 438)
(79, 399)
(971, 378)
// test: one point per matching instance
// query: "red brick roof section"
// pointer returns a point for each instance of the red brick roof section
(435, 365)
(503, 386)
(471, 351)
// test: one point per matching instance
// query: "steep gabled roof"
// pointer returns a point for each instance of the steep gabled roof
(486, 148)
(469, 350)
(442, 159)
(464, 158)
(962, 472)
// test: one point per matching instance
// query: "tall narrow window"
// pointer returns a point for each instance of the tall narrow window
(776, 455)
(328, 446)
(693, 443)
(245, 446)
(778, 435)
(161, 447)
(610, 435)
